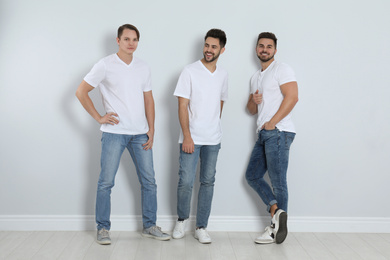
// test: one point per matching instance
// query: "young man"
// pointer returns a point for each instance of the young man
(274, 93)
(125, 85)
(201, 90)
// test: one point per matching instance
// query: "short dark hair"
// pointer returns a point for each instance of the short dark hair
(127, 26)
(219, 34)
(268, 35)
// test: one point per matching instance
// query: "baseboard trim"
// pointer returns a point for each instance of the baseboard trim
(216, 223)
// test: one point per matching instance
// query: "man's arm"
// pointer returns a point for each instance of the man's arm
(253, 102)
(220, 115)
(290, 93)
(150, 115)
(82, 94)
(188, 145)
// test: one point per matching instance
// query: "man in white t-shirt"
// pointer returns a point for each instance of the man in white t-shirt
(202, 89)
(273, 95)
(125, 84)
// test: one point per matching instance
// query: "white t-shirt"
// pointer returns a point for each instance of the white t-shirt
(122, 87)
(205, 90)
(268, 82)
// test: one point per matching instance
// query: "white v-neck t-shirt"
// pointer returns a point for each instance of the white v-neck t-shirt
(205, 90)
(122, 87)
(268, 83)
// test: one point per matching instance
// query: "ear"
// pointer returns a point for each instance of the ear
(222, 50)
(117, 40)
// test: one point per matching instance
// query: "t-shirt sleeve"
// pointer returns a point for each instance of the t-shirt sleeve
(253, 85)
(285, 74)
(96, 75)
(148, 82)
(224, 93)
(183, 87)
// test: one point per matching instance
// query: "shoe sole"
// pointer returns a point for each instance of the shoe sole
(207, 242)
(282, 230)
(177, 237)
(158, 238)
(103, 242)
(264, 242)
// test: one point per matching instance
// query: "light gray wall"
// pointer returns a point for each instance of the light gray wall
(50, 147)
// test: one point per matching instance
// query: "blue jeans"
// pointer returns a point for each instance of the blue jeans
(113, 146)
(208, 155)
(270, 153)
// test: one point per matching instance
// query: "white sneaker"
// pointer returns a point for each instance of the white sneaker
(280, 226)
(202, 235)
(267, 237)
(180, 229)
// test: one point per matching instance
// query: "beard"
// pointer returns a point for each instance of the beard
(213, 58)
(266, 59)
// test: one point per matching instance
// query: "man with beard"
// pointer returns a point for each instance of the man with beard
(274, 93)
(202, 89)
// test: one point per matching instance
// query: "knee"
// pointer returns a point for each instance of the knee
(105, 186)
(185, 183)
(208, 181)
(150, 186)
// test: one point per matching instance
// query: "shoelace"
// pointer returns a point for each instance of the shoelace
(156, 228)
(204, 233)
(177, 227)
(103, 233)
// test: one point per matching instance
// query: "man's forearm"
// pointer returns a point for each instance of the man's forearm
(285, 108)
(184, 120)
(149, 110)
(251, 105)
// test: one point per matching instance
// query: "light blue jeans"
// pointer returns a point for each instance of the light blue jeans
(208, 155)
(270, 153)
(113, 146)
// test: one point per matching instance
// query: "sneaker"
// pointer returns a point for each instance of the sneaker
(267, 237)
(202, 235)
(156, 233)
(180, 229)
(103, 237)
(280, 228)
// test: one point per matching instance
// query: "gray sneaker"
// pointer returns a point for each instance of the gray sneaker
(156, 233)
(103, 237)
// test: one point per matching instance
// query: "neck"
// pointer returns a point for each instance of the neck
(264, 65)
(126, 58)
(211, 66)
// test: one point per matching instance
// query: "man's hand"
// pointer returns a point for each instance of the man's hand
(188, 145)
(268, 126)
(257, 98)
(149, 144)
(109, 118)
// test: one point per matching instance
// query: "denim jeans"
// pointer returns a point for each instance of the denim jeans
(270, 153)
(208, 155)
(113, 146)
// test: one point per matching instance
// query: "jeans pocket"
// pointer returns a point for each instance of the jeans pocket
(289, 138)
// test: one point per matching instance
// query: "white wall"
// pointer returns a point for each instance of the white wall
(50, 147)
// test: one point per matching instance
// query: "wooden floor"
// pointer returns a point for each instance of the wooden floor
(226, 245)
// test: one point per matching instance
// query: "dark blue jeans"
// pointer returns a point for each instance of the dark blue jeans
(270, 154)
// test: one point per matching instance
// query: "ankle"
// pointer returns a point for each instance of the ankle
(274, 208)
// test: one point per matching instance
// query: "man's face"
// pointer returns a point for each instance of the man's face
(128, 42)
(212, 49)
(265, 49)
